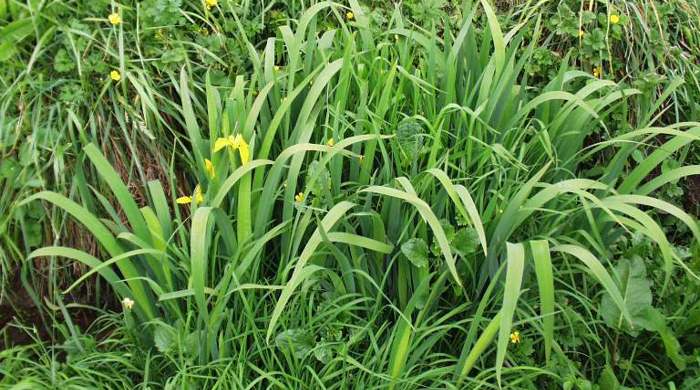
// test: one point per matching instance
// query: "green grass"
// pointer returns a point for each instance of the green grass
(396, 207)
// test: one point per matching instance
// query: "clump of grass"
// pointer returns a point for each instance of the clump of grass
(398, 209)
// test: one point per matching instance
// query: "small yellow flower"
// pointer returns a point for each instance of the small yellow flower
(198, 197)
(128, 303)
(349, 15)
(209, 166)
(114, 18)
(361, 157)
(331, 142)
(614, 19)
(277, 68)
(211, 3)
(515, 337)
(598, 71)
(581, 33)
(115, 75)
(299, 197)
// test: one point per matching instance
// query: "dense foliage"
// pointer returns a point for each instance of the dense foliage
(295, 194)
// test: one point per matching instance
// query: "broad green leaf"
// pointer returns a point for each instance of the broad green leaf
(636, 294)
(514, 276)
(416, 251)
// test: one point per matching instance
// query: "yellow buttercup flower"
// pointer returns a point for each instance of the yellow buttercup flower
(515, 337)
(128, 303)
(114, 18)
(350, 15)
(235, 143)
(581, 33)
(115, 75)
(597, 71)
(330, 142)
(299, 197)
(198, 197)
(211, 3)
(614, 19)
(209, 166)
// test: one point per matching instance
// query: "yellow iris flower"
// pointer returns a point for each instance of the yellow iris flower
(209, 166)
(235, 143)
(198, 197)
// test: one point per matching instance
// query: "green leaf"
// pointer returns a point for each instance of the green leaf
(163, 337)
(636, 295)
(545, 282)
(416, 251)
(652, 320)
(298, 341)
(514, 276)
(465, 241)
(608, 380)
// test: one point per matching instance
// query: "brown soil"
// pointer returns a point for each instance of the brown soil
(18, 312)
(692, 195)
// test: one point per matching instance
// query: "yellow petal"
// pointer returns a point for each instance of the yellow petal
(209, 166)
(245, 154)
(183, 200)
(330, 142)
(237, 141)
(222, 143)
(299, 197)
(115, 75)
(244, 151)
(198, 196)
